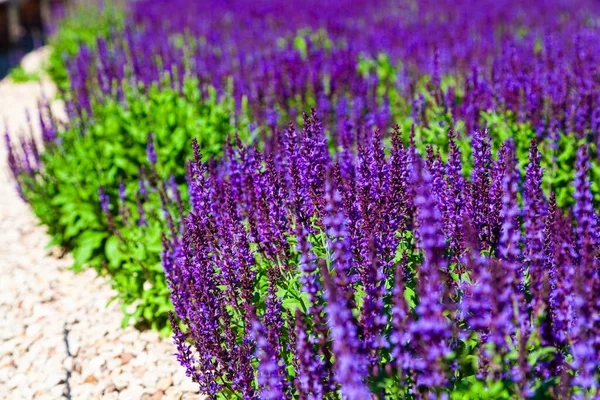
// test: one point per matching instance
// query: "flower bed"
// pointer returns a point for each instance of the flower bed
(318, 253)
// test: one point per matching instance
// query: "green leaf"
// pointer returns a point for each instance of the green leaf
(87, 243)
(112, 251)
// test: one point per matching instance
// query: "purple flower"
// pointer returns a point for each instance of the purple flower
(104, 200)
(480, 187)
(351, 365)
(309, 380)
(534, 214)
(431, 331)
(270, 374)
(151, 150)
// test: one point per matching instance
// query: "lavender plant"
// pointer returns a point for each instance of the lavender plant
(375, 272)
(99, 185)
(523, 73)
(180, 69)
(79, 25)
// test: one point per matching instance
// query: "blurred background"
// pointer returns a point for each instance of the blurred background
(23, 24)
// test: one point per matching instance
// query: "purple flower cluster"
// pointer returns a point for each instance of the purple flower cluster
(526, 60)
(303, 272)
(24, 157)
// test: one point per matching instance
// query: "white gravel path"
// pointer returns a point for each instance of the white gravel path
(41, 300)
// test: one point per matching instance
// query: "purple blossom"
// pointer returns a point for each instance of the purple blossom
(151, 150)
(431, 332)
(351, 366)
(270, 377)
(104, 200)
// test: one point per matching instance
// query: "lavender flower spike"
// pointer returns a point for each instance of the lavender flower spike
(104, 200)
(350, 365)
(151, 150)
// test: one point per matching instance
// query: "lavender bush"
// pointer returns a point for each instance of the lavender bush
(526, 70)
(337, 258)
(376, 272)
(99, 185)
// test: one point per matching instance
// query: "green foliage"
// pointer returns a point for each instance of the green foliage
(110, 147)
(83, 26)
(132, 257)
(19, 75)
(317, 38)
(558, 158)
